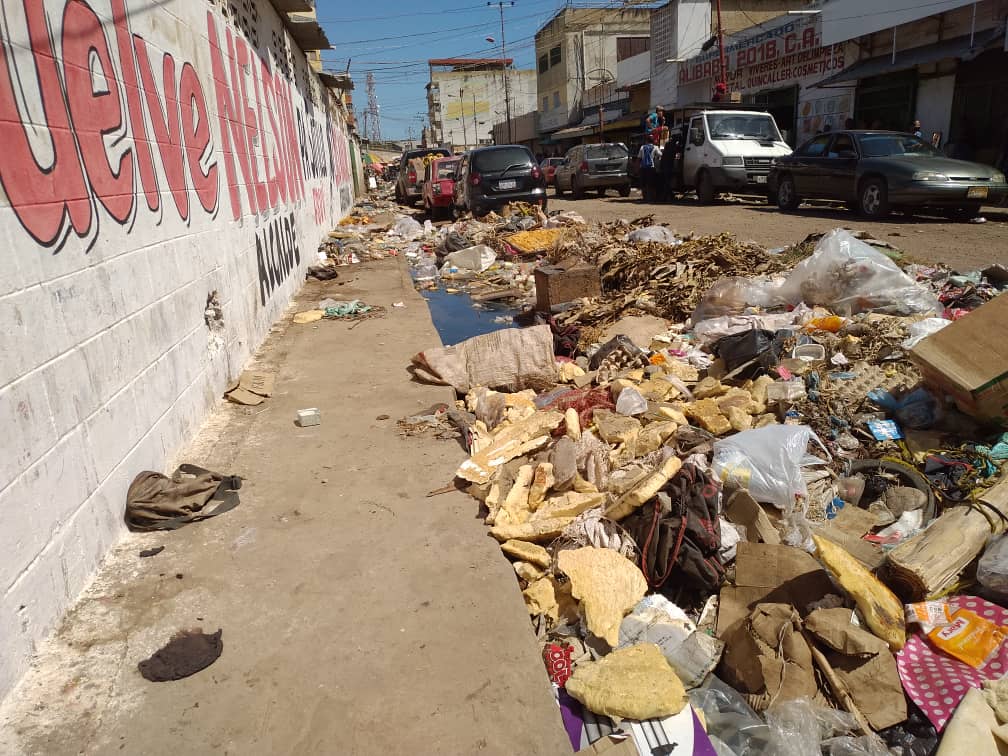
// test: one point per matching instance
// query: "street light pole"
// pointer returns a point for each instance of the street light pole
(465, 135)
(507, 94)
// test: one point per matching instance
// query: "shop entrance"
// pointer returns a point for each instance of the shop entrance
(886, 101)
(979, 129)
(782, 104)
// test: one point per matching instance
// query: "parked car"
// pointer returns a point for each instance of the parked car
(548, 166)
(876, 171)
(439, 186)
(593, 166)
(407, 190)
(490, 177)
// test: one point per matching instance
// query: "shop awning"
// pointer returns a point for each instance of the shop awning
(573, 131)
(956, 47)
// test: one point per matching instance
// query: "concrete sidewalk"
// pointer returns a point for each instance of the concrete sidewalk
(358, 616)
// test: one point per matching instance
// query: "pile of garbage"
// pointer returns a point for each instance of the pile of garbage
(753, 501)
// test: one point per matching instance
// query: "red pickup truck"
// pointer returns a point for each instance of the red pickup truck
(439, 187)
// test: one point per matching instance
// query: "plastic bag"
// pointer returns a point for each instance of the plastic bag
(849, 277)
(766, 462)
(407, 228)
(733, 296)
(426, 270)
(631, 402)
(992, 571)
(659, 234)
(477, 259)
(922, 329)
(797, 728)
(762, 348)
(733, 727)
(919, 409)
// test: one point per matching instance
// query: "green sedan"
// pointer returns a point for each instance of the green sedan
(877, 171)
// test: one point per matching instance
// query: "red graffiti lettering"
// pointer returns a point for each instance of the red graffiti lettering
(42, 195)
(165, 124)
(196, 135)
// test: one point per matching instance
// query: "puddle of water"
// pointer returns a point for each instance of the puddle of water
(457, 318)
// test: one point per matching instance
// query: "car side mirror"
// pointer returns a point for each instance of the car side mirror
(847, 155)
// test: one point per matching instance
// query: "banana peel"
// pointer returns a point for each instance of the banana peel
(880, 607)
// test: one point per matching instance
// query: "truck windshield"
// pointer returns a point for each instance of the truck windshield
(742, 126)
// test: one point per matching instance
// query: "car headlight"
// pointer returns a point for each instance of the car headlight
(998, 177)
(929, 176)
(731, 160)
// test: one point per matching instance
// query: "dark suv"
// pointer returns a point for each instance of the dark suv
(490, 177)
(407, 188)
(593, 166)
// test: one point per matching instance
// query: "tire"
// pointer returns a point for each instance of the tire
(787, 194)
(624, 191)
(577, 190)
(601, 192)
(969, 212)
(398, 196)
(557, 191)
(873, 198)
(705, 189)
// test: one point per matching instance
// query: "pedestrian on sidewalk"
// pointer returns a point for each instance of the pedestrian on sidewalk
(650, 158)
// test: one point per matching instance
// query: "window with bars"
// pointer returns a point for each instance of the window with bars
(554, 56)
(543, 63)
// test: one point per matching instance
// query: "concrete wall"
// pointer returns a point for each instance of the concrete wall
(152, 153)
(467, 120)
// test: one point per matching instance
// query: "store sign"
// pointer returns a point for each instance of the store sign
(792, 50)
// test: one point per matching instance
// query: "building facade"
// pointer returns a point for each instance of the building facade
(467, 96)
(577, 55)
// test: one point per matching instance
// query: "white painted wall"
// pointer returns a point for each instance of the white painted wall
(934, 105)
(107, 365)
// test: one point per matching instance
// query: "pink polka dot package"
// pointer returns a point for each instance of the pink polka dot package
(937, 682)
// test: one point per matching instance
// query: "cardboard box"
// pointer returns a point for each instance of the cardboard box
(968, 361)
(565, 282)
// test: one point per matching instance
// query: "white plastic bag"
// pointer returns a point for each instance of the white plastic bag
(476, 259)
(407, 228)
(992, 571)
(766, 462)
(848, 276)
(659, 234)
(631, 402)
(922, 329)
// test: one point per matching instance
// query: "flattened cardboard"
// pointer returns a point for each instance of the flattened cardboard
(869, 554)
(770, 573)
(968, 360)
(863, 662)
(252, 388)
(853, 520)
(742, 509)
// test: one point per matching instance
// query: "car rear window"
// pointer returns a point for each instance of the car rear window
(489, 161)
(447, 170)
(605, 151)
(427, 155)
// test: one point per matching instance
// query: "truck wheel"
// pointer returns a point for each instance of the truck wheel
(624, 191)
(787, 195)
(577, 190)
(705, 188)
(398, 196)
(874, 198)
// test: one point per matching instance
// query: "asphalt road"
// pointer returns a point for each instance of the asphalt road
(963, 246)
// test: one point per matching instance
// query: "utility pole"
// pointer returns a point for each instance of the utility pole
(373, 109)
(507, 93)
(465, 135)
(475, 129)
(723, 79)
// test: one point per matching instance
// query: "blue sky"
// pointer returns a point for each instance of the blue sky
(394, 39)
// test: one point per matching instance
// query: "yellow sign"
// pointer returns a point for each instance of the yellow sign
(465, 109)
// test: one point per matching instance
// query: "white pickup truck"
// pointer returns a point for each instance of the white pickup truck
(726, 150)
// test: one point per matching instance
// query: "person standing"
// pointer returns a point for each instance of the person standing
(916, 129)
(650, 157)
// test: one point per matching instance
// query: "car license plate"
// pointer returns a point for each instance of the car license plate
(761, 179)
(508, 184)
(977, 192)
